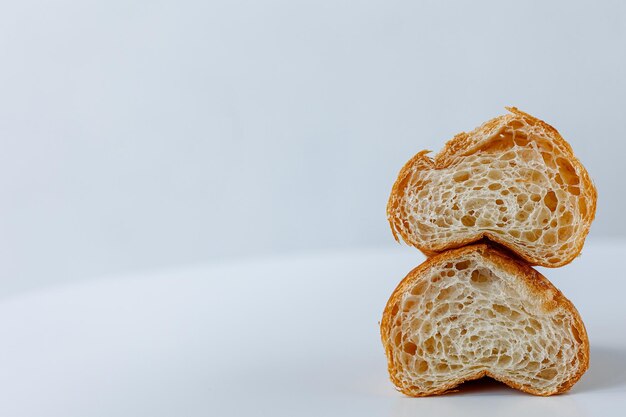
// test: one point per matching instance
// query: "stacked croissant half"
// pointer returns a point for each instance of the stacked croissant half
(489, 206)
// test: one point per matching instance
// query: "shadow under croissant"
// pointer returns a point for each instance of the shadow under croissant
(483, 386)
(487, 397)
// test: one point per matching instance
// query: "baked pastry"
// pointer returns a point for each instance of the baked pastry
(474, 312)
(513, 180)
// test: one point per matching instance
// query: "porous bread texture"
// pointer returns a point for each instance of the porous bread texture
(474, 312)
(513, 180)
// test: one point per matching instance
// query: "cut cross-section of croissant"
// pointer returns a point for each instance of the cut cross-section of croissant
(474, 312)
(513, 180)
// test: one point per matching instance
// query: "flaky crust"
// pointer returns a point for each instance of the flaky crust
(536, 283)
(465, 144)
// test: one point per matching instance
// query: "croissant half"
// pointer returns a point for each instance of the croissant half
(474, 312)
(513, 180)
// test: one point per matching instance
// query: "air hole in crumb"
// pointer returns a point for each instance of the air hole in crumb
(422, 366)
(549, 238)
(429, 345)
(442, 367)
(504, 360)
(567, 171)
(547, 373)
(468, 221)
(548, 159)
(461, 176)
(479, 277)
(573, 190)
(395, 309)
(427, 327)
(514, 233)
(418, 288)
(521, 139)
(499, 142)
(567, 218)
(565, 232)
(397, 339)
(550, 200)
(410, 348)
(462, 265)
(444, 293)
(494, 175)
(441, 310)
(502, 309)
(507, 156)
(532, 235)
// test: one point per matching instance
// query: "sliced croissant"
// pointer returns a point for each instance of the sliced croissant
(474, 312)
(513, 180)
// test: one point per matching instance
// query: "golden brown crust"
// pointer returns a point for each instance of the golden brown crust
(464, 144)
(539, 285)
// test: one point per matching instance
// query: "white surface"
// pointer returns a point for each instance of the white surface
(283, 337)
(142, 134)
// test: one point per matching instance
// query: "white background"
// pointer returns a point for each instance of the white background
(149, 134)
(192, 195)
